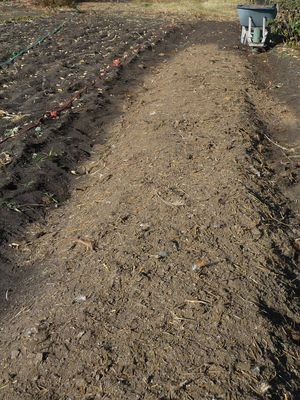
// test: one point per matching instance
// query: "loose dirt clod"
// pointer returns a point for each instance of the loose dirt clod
(200, 263)
(5, 159)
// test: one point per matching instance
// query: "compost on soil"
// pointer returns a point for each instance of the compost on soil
(149, 221)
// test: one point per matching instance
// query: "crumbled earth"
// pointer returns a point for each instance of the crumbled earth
(171, 271)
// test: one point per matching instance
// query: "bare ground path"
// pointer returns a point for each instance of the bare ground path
(169, 274)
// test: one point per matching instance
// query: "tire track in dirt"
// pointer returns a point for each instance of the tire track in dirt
(167, 275)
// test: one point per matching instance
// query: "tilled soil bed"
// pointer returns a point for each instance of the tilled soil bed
(170, 272)
(46, 126)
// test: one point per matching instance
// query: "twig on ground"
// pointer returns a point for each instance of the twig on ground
(277, 144)
(197, 301)
(87, 243)
(24, 309)
(181, 318)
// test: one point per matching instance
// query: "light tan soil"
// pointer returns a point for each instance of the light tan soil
(170, 273)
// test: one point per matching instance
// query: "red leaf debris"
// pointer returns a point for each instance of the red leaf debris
(53, 114)
(116, 62)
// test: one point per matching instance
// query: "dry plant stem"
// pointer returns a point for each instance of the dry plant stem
(277, 145)
(86, 243)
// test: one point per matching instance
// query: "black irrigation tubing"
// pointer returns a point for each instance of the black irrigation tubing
(27, 49)
(116, 64)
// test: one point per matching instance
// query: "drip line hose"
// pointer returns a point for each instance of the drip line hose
(35, 44)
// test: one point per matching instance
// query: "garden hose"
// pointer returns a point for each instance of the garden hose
(26, 50)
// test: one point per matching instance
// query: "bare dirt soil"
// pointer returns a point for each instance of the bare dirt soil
(171, 270)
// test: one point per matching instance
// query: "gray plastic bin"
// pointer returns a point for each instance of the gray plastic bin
(257, 13)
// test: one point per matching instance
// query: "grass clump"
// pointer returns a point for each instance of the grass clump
(287, 24)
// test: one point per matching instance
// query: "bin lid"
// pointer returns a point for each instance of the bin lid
(257, 7)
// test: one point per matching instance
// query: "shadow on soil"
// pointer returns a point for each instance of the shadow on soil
(287, 330)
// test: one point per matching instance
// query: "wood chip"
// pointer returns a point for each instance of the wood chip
(88, 244)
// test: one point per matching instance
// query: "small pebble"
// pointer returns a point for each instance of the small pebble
(145, 227)
(264, 387)
(256, 233)
(30, 332)
(81, 170)
(256, 370)
(80, 298)
(194, 267)
(14, 354)
(162, 254)
(80, 334)
(39, 358)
